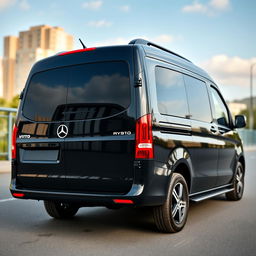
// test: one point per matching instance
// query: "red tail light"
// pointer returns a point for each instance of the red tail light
(75, 51)
(144, 138)
(14, 137)
(18, 194)
(123, 201)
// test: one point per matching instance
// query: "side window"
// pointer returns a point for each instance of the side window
(220, 110)
(198, 99)
(171, 93)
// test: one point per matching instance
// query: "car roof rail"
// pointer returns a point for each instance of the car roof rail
(145, 42)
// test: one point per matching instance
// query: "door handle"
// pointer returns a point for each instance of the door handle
(221, 130)
(213, 129)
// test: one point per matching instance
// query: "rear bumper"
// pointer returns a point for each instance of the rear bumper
(91, 199)
(149, 189)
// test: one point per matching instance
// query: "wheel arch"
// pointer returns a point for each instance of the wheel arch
(180, 162)
(183, 169)
(241, 159)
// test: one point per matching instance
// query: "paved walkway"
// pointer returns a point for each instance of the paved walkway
(5, 166)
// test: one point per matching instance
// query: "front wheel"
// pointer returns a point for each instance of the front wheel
(171, 217)
(60, 210)
(238, 184)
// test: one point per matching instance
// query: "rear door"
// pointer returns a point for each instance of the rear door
(40, 159)
(99, 147)
(77, 123)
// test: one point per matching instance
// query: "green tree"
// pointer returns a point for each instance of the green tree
(3, 102)
(14, 103)
(246, 113)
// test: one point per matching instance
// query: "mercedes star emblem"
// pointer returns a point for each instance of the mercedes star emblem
(62, 131)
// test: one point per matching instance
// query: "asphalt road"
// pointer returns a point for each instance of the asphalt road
(214, 227)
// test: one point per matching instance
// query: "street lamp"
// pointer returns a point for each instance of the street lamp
(251, 97)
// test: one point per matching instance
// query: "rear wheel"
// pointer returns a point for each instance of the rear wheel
(171, 217)
(60, 210)
(238, 184)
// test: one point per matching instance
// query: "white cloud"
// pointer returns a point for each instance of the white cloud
(92, 5)
(125, 8)
(24, 5)
(4, 4)
(99, 23)
(220, 4)
(209, 8)
(229, 71)
(164, 38)
(195, 7)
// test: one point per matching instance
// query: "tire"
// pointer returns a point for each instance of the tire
(171, 217)
(238, 184)
(60, 210)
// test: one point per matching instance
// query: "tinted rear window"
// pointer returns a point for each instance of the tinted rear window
(78, 92)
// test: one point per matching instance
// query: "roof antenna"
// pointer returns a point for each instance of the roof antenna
(84, 47)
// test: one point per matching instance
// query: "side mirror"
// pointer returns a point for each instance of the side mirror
(240, 121)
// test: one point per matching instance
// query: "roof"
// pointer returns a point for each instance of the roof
(175, 60)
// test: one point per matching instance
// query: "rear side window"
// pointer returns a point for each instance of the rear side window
(171, 93)
(198, 99)
(78, 92)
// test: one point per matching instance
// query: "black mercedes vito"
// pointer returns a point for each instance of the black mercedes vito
(133, 125)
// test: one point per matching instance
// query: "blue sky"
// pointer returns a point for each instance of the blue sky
(218, 35)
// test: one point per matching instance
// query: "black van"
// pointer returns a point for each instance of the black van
(133, 125)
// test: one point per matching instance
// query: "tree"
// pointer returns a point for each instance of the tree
(3, 102)
(246, 113)
(14, 103)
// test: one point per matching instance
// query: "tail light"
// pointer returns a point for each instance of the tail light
(76, 51)
(18, 194)
(123, 201)
(14, 137)
(144, 138)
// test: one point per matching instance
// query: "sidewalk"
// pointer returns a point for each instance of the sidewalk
(5, 166)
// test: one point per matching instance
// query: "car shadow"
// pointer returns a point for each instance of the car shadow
(101, 219)
(97, 220)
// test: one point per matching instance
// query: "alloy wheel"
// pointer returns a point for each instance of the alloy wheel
(239, 181)
(179, 205)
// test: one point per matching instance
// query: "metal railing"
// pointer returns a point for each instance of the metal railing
(248, 137)
(7, 117)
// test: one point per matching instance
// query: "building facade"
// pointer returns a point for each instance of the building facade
(236, 108)
(1, 77)
(9, 64)
(32, 45)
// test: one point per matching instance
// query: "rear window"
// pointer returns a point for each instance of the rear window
(78, 92)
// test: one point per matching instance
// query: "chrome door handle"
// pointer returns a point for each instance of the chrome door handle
(213, 129)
